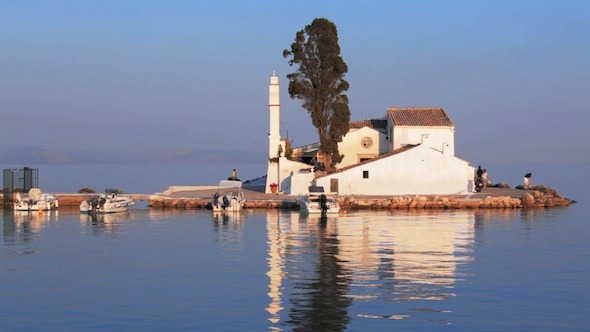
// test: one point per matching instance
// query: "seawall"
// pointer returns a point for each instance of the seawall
(543, 197)
(489, 198)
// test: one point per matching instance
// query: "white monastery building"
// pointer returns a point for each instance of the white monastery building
(409, 151)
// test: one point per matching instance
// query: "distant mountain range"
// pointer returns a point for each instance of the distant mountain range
(36, 155)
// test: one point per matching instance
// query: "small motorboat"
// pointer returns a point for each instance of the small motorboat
(112, 201)
(232, 197)
(318, 202)
(35, 200)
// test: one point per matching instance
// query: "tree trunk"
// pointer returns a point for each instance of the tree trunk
(325, 159)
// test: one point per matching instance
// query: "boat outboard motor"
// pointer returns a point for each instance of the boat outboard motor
(94, 203)
(225, 202)
(323, 202)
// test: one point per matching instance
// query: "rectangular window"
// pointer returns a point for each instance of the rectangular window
(365, 174)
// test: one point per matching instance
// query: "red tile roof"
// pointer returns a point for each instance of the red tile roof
(424, 117)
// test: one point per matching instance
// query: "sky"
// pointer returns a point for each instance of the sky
(145, 76)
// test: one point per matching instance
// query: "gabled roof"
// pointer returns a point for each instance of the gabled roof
(421, 117)
(385, 155)
(378, 124)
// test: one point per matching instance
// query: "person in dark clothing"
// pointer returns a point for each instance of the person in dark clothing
(479, 179)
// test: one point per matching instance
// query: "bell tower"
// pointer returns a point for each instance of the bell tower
(274, 136)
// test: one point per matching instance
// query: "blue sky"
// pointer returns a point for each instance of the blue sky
(514, 76)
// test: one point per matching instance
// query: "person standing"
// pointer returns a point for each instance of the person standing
(478, 179)
(527, 181)
(234, 175)
(484, 178)
(479, 173)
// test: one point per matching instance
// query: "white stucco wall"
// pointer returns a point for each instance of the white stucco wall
(420, 170)
(288, 168)
(352, 149)
(300, 183)
(434, 137)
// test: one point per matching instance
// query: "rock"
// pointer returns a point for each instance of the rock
(528, 200)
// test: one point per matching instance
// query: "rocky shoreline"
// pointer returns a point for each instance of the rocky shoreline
(539, 196)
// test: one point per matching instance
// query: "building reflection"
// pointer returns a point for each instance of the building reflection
(304, 257)
(408, 256)
(318, 267)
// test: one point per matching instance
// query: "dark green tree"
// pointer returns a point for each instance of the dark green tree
(319, 83)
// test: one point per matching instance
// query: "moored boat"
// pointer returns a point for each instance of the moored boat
(35, 200)
(318, 202)
(232, 197)
(111, 201)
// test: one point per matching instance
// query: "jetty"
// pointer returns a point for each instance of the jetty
(200, 197)
(490, 197)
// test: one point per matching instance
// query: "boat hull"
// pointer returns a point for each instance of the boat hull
(45, 202)
(108, 203)
(234, 205)
(232, 200)
(311, 205)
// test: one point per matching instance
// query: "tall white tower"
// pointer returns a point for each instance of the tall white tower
(274, 136)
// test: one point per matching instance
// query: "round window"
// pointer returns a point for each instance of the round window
(366, 142)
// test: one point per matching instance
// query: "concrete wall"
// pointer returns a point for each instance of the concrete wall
(288, 168)
(420, 170)
(300, 183)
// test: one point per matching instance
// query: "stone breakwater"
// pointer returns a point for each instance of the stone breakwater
(539, 196)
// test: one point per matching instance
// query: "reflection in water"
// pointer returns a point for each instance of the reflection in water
(320, 285)
(276, 251)
(402, 256)
(229, 226)
(104, 222)
(357, 271)
(24, 227)
(321, 302)
(34, 221)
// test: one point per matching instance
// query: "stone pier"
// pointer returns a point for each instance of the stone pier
(489, 198)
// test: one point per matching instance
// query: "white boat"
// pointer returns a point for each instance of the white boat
(318, 202)
(111, 201)
(231, 198)
(35, 200)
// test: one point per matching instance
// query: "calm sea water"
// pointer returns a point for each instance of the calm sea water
(468, 270)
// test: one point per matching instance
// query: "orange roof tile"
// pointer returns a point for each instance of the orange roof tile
(425, 117)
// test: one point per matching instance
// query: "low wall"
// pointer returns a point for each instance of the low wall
(173, 189)
(541, 197)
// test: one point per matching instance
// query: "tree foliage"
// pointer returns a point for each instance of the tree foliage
(319, 83)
